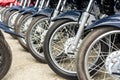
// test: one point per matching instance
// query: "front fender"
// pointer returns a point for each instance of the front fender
(8, 30)
(30, 11)
(46, 12)
(73, 15)
(17, 8)
(23, 9)
(107, 21)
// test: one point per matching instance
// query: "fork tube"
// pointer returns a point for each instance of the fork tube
(82, 22)
(11, 4)
(89, 6)
(21, 2)
(62, 7)
(56, 11)
(47, 4)
(41, 4)
(24, 3)
(59, 4)
(28, 4)
(36, 4)
(15, 2)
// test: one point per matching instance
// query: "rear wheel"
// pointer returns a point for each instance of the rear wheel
(94, 60)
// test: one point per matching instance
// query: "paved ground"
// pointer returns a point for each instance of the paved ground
(25, 67)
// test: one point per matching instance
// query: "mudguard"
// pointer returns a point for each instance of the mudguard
(113, 21)
(22, 10)
(46, 12)
(73, 15)
(8, 30)
(17, 8)
(30, 11)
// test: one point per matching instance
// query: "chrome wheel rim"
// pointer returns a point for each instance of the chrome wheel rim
(95, 51)
(12, 18)
(37, 34)
(56, 47)
(23, 29)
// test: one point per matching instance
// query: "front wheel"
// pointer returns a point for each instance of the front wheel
(57, 48)
(22, 29)
(35, 37)
(5, 57)
(98, 55)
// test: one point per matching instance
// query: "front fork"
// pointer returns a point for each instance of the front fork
(82, 23)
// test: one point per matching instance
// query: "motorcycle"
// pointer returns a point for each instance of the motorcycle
(5, 51)
(38, 28)
(10, 10)
(99, 51)
(66, 34)
(24, 22)
(4, 9)
(6, 2)
(15, 13)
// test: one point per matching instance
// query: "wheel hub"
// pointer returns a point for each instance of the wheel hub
(43, 35)
(12, 20)
(69, 47)
(112, 64)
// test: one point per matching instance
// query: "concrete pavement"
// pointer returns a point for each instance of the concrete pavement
(25, 67)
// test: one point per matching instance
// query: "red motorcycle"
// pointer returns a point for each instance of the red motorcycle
(6, 2)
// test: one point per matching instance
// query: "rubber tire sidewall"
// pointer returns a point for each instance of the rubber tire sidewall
(7, 57)
(35, 19)
(85, 45)
(18, 28)
(46, 50)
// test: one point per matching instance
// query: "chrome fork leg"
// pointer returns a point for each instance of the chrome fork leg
(80, 30)
(82, 23)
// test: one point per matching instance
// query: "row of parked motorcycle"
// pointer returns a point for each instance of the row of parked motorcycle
(78, 39)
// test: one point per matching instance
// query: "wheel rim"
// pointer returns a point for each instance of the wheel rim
(56, 47)
(95, 51)
(23, 29)
(12, 19)
(1, 15)
(37, 34)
